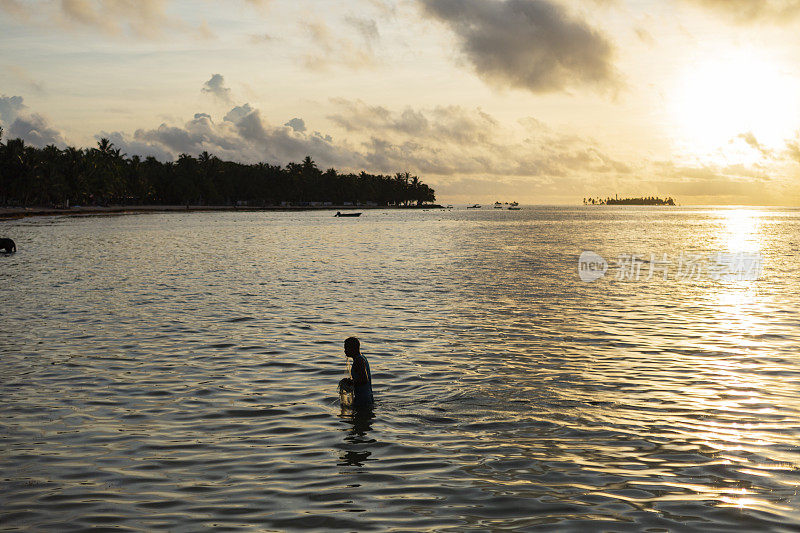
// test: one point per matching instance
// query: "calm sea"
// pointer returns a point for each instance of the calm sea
(178, 371)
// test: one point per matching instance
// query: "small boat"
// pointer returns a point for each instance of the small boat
(498, 205)
(514, 204)
(474, 206)
(513, 208)
(340, 214)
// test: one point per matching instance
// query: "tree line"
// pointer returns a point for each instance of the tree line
(50, 176)
(644, 200)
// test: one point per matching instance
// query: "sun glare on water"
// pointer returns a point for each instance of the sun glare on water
(717, 101)
(741, 230)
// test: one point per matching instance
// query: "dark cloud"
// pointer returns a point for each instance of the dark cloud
(35, 129)
(238, 113)
(10, 107)
(134, 147)
(528, 44)
(243, 135)
(215, 86)
(297, 124)
(746, 11)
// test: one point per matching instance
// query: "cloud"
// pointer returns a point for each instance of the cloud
(10, 107)
(332, 49)
(297, 124)
(35, 129)
(753, 143)
(260, 38)
(452, 140)
(465, 154)
(443, 141)
(148, 19)
(23, 76)
(15, 8)
(216, 87)
(735, 184)
(243, 135)
(238, 113)
(746, 11)
(139, 18)
(527, 44)
(367, 27)
(441, 123)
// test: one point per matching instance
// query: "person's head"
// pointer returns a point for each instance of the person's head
(351, 346)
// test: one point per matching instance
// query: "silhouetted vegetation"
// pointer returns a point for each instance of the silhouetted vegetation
(649, 200)
(50, 176)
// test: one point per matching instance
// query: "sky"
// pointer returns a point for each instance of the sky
(535, 101)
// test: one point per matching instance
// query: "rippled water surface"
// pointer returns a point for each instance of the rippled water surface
(179, 371)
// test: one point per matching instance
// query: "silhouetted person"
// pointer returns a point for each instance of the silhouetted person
(8, 245)
(359, 384)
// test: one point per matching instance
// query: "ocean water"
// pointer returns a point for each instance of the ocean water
(178, 371)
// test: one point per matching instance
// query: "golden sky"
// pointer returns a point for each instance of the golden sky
(538, 101)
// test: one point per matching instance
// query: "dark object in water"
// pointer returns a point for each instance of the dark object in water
(8, 245)
(346, 391)
(340, 214)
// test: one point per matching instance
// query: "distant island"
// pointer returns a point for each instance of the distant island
(649, 200)
(102, 176)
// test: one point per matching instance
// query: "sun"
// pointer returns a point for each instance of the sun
(733, 106)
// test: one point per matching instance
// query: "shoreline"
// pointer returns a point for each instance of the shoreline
(12, 213)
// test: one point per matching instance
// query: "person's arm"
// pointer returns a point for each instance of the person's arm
(359, 372)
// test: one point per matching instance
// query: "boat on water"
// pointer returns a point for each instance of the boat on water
(340, 214)
(498, 205)
(514, 204)
(474, 206)
(513, 208)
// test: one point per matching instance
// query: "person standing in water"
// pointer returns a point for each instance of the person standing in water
(360, 376)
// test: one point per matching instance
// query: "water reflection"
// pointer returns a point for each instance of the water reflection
(358, 424)
(742, 230)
